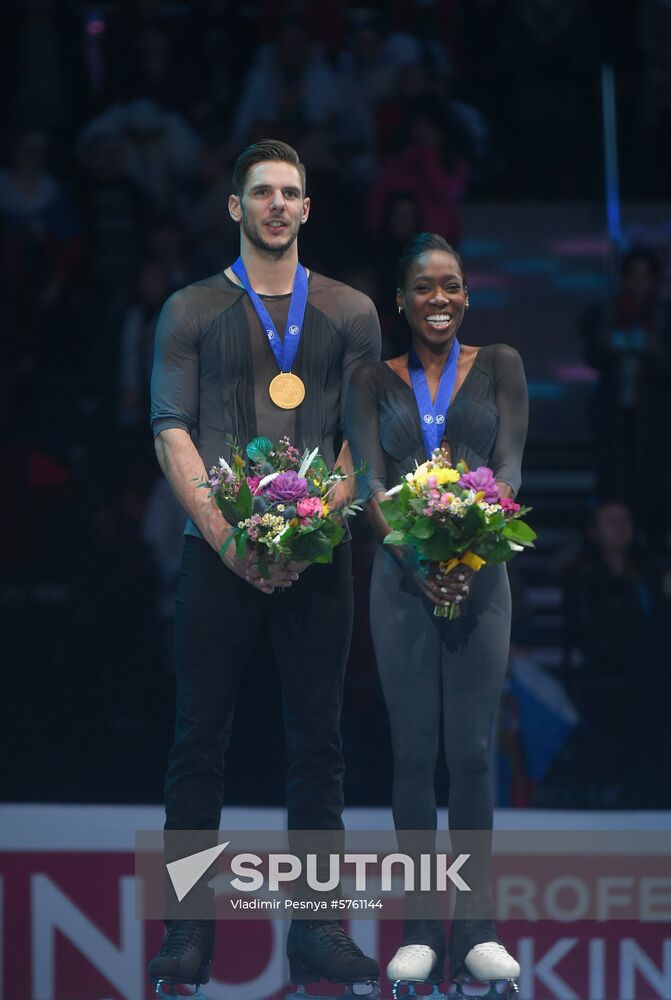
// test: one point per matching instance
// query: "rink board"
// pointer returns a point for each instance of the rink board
(69, 931)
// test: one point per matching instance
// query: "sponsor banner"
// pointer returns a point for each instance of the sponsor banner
(68, 897)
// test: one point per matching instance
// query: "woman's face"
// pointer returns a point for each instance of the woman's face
(434, 298)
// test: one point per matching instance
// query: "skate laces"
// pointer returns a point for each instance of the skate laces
(335, 939)
(490, 949)
(180, 935)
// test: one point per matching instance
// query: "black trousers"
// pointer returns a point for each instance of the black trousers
(218, 617)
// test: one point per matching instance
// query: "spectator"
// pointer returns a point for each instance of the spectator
(137, 343)
(160, 151)
(629, 344)
(426, 166)
(290, 88)
(617, 616)
(112, 208)
(40, 249)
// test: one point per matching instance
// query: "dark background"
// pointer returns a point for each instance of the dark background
(480, 119)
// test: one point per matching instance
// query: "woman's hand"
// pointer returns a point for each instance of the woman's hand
(443, 588)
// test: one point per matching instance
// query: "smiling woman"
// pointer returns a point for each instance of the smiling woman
(474, 403)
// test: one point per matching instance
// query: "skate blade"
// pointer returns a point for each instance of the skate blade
(466, 987)
(168, 989)
(354, 991)
(406, 989)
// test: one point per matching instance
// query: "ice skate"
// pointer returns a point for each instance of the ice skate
(183, 962)
(412, 964)
(488, 962)
(322, 950)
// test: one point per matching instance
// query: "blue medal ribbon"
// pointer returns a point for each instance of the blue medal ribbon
(284, 351)
(432, 415)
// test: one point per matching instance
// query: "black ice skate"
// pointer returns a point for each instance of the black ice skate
(321, 950)
(184, 959)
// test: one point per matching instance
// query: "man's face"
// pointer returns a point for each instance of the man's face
(272, 208)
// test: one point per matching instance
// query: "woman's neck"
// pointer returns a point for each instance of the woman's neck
(432, 360)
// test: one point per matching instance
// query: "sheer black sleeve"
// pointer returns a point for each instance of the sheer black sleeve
(362, 429)
(176, 371)
(363, 344)
(513, 405)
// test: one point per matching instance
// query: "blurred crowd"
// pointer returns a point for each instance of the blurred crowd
(119, 126)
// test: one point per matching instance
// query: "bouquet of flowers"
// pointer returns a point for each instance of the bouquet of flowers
(450, 515)
(278, 502)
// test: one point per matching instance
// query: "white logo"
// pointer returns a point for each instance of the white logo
(185, 872)
(428, 419)
(271, 334)
(440, 419)
(293, 330)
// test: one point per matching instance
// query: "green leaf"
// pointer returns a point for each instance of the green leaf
(244, 501)
(319, 468)
(395, 538)
(520, 532)
(259, 448)
(423, 529)
(230, 511)
(240, 543)
(312, 547)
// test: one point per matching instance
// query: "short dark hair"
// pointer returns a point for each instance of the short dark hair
(260, 152)
(418, 245)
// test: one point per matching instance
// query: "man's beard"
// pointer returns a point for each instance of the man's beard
(274, 249)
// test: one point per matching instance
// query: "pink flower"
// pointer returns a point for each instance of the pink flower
(509, 506)
(308, 507)
(253, 483)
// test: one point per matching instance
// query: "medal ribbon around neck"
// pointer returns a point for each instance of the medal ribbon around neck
(285, 352)
(432, 415)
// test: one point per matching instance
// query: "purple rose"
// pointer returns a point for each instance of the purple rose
(482, 481)
(287, 486)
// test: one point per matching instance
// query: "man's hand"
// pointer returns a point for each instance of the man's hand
(280, 575)
(341, 495)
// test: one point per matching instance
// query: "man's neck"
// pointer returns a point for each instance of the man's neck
(269, 274)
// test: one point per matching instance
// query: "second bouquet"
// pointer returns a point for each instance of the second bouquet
(278, 502)
(449, 515)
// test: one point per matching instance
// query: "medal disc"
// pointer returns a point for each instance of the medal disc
(287, 391)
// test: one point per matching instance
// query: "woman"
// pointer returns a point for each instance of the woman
(430, 665)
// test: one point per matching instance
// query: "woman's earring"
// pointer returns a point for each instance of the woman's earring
(468, 304)
(400, 310)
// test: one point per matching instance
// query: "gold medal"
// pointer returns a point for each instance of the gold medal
(287, 391)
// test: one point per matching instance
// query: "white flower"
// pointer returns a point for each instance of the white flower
(515, 547)
(394, 489)
(266, 479)
(308, 459)
(225, 466)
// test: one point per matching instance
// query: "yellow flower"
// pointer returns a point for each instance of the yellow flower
(239, 461)
(326, 510)
(445, 476)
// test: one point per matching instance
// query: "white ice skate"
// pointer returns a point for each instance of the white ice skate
(489, 963)
(413, 963)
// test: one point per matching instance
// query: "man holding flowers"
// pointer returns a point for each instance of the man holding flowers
(264, 348)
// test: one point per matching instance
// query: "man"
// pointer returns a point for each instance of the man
(216, 375)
